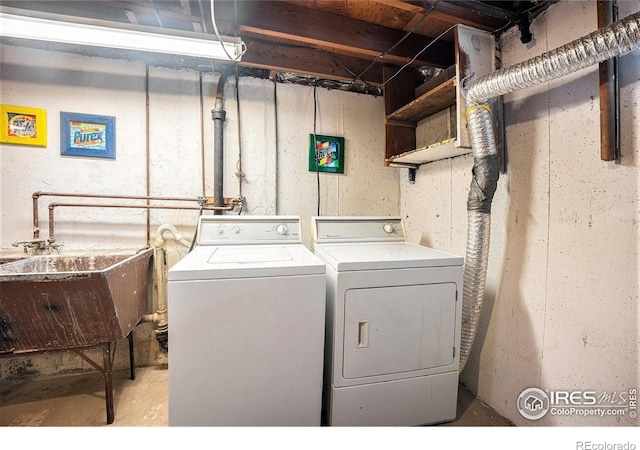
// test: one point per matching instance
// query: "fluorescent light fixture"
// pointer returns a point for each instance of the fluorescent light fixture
(39, 29)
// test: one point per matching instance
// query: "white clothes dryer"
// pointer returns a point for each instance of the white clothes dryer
(393, 324)
(246, 326)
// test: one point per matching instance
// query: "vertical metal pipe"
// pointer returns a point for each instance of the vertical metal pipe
(204, 190)
(239, 172)
(609, 107)
(275, 125)
(52, 236)
(36, 226)
(218, 116)
(147, 153)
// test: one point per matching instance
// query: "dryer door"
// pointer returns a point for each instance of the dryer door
(397, 329)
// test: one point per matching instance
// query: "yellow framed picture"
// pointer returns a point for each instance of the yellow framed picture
(23, 125)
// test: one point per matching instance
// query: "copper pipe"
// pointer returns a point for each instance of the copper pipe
(52, 206)
(147, 152)
(125, 197)
(36, 226)
(37, 195)
(202, 149)
(239, 163)
(609, 92)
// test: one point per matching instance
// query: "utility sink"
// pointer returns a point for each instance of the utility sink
(64, 301)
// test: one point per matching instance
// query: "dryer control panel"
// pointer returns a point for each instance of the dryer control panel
(357, 229)
(226, 230)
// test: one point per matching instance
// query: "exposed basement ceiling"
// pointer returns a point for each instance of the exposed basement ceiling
(343, 40)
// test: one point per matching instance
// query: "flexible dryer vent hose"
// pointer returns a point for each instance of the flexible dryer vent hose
(613, 40)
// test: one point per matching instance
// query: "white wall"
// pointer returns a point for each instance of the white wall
(59, 81)
(276, 176)
(366, 187)
(561, 308)
(64, 82)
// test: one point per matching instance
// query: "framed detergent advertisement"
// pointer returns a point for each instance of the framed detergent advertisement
(87, 135)
(23, 125)
(326, 154)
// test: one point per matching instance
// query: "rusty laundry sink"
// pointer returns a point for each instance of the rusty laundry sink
(74, 302)
(61, 301)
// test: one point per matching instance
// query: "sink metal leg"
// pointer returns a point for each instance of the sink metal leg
(131, 356)
(108, 381)
(107, 371)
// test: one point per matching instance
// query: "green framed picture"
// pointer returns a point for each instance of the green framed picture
(326, 154)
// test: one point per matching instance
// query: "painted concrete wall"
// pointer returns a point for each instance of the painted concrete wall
(561, 308)
(365, 188)
(275, 126)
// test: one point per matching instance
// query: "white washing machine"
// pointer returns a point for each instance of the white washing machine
(393, 324)
(246, 338)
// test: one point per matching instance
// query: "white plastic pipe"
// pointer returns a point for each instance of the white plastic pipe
(176, 234)
(161, 316)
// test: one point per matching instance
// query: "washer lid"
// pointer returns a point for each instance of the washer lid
(246, 261)
(383, 255)
(249, 254)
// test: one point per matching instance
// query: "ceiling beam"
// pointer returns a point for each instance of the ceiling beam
(308, 61)
(489, 10)
(402, 5)
(443, 12)
(297, 24)
(450, 11)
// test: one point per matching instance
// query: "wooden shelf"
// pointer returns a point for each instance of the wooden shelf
(437, 99)
(433, 152)
(406, 104)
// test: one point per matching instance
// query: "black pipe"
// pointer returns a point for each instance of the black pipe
(218, 116)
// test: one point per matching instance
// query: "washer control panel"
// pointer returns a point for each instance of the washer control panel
(357, 229)
(223, 230)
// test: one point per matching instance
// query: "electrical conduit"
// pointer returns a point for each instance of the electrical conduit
(614, 40)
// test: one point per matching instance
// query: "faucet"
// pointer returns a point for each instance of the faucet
(38, 245)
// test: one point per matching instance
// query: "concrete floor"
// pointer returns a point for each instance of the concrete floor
(78, 400)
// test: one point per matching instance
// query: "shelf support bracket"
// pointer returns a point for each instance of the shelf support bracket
(412, 175)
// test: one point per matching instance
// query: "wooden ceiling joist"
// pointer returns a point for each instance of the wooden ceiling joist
(458, 14)
(307, 61)
(335, 39)
(297, 24)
